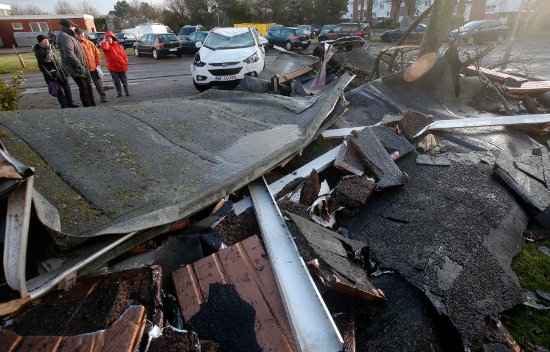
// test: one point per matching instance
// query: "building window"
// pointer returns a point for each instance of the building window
(40, 27)
(17, 26)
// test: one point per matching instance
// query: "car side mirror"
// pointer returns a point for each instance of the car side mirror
(198, 45)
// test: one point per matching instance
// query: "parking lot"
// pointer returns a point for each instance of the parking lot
(148, 79)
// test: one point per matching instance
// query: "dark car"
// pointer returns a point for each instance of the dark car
(96, 37)
(288, 37)
(158, 45)
(126, 39)
(396, 34)
(323, 32)
(346, 30)
(307, 29)
(480, 32)
(187, 30)
(189, 43)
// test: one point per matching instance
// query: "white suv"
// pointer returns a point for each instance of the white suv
(226, 56)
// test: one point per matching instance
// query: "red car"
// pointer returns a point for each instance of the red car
(347, 30)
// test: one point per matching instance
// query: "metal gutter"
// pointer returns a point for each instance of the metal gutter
(310, 320)
(485, 122)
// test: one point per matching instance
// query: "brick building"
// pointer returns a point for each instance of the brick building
(15, 29)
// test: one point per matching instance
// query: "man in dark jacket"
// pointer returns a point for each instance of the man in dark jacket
(74, 62)
(58, 86)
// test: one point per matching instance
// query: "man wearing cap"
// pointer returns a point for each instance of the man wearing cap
(74, 61)
(91, 54)
(58, 86)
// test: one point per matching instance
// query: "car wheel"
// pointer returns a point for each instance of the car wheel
(288, 46)
(136, 52)
(201, 87)
(156, 55)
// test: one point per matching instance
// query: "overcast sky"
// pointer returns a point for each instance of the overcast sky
(103, 6)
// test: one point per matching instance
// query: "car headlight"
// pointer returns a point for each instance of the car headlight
(252, 59)
(198, 61)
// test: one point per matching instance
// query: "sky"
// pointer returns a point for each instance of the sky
(103, 6)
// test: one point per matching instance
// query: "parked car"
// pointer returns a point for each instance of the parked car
(307, 29)
(323, 32)
(480, 32)
(96, 37)
(315, 30)
(346, 30)
(126, 39)
(288, 37)
(187, 30)
(395, 34)
(189, 43)
(158, 45)
(226, 56)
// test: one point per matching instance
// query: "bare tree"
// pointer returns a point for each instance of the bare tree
(395, 9)
(63, 7)
(27, 10)
(438, 29)
(86, 7)
(478, 10)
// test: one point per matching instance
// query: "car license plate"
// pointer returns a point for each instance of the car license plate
(174, 49)
(226, 78)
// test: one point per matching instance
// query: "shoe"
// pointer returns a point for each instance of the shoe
(104, 100)
(73, 106)
(119, 95)
(127, 94)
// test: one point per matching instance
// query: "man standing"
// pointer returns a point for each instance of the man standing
(73, 60)
(91, 54)
(58, 86)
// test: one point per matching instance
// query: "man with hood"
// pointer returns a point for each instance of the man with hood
(117, 62)
(58, 86)
(91, 53)
(74, 61)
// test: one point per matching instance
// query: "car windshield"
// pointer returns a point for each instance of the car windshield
(349, 28)
(327, 29)
(471, 25)
(301, 31)
(201, 36)
(168, 37)
(186, 30)
(217, 41)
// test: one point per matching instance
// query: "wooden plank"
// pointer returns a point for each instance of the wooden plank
(40, 344)
(123, 335)
(9, 340)
(268, 332)
(79, 343)
(209, 271)
(296, 73)
(254, 254)
(530, 88)
(494, 75)
(188, 291)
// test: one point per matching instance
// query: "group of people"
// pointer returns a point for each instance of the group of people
(80, 59)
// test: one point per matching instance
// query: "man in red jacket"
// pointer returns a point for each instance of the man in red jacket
(117, 62)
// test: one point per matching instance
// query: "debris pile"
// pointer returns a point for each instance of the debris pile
(384, 217)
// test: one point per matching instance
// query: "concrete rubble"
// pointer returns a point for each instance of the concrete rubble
(291, 214)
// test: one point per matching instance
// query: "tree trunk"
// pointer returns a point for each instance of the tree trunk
(370, 5)
(411, 7)
(361, 10)
(438, 29)
(356, 10)
(461, 9)
(478, 10)
(395, 7)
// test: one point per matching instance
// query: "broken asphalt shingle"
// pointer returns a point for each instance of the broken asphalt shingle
(353, 191)
(376, 159)
(348, 160)
(392, 141)
(330, 248)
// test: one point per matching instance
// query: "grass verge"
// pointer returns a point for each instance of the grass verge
(10, 63)
(529, 326)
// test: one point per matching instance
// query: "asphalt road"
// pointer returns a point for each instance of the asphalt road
(148, 79)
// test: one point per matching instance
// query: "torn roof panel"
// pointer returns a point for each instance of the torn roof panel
(118, 170)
